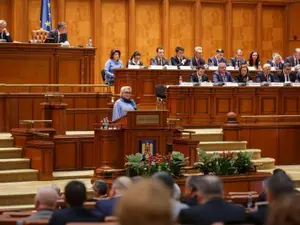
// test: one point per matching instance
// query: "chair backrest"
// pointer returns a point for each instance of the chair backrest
(103, 75)
(41, 35)
(17, 214)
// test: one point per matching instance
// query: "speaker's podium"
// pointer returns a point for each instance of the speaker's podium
(138, 131)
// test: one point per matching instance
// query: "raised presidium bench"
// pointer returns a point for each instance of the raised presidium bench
(143, 81)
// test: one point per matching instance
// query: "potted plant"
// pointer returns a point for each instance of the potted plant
(243, 163)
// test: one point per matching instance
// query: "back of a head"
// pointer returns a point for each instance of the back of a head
(166, 179)
(285, 211)
(278, 185)
(122, 184)
(100, 187)
(151, 207)
(75, 193)
(210, 186)
(46, 198)
(192, 182)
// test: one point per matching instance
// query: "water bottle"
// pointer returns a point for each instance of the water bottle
(269, 79)
(249, 205)
(90, 43)
(180, 80)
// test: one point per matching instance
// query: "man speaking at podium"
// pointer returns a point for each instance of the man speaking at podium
(124, 104)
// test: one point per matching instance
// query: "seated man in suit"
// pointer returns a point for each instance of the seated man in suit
(106, 207)
(3, 32)
(75, 196)
(276, 61)
(159, 59)
(60, 34)
(212, 207)
(222, 76)
(276, 187)
(266, 75)
(199, 76)
(44, 202)
(294, 60)
(218, 58)
(179, 59)
(190, 197)
(168, 181)
(285, 75)
(238, 60)
(197, 60)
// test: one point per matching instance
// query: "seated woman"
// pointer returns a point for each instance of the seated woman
(135, 59)
(254, 60)
(276, 61)
(243, 75)
(113, 63)
(124, 104)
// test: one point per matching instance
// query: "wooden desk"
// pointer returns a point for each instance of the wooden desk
(208, 106)
(46, 64)
(143, 81)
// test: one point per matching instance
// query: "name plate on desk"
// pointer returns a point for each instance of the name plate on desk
(276, 84)
(155, 67)
(213, 68)
(134, 67)
(206, 84)
(230, 84)
(185, 68)
(186, 84)
(251, 68)
(296, 84)
(147, 119)
(254, 84)
(230, 68)
(172, 67)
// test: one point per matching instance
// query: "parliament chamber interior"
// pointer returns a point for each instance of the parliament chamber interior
(197, 101)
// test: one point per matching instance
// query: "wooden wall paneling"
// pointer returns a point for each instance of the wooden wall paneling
(34, 10)
(88, 154)
(78, 19)
(131, 27)
(259, 29)
(5, 9)
(148, 28)
(19, 11)
(229, 24)
(213, 24)
(182, 27)
(293, 30)
(288, 146)
(69, 148)
(165, 27)
(273, 23)
(114, 30)
(61, 10)
(243, 29)
(198, 23)
(81, 120)
(70, 68)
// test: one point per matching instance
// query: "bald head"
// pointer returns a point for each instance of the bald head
(46, 198)
(121, 184)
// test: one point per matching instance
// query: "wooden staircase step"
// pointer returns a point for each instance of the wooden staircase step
(11, 164)
(18, 175)
(222, 145)
(10, 152)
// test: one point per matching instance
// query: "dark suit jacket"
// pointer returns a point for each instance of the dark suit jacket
(194, 78)
(259, 217)
(62, 37)
(74, 214)
(8, 38)
(175, 61)
(200, 62)
(271, 63)
(260, 77)
(280, 77)
(217, 78)
(106, 206)
(291, 61)
(233, 62)
(159, 62)
(241, 79)
(190, 202)
(213, 61)
(214, 210)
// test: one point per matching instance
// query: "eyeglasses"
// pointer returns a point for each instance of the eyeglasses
(127, 92)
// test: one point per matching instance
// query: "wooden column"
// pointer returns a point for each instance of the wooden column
(96, 35)
(131, 28)
(228, 28)
(259, 27)
(165, 27)
(286, 32)
(19, 20)
(198, 24)
(61, 11)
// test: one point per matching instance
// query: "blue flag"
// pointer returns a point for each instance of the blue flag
(46, 21)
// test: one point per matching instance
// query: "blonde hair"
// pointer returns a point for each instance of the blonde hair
(124, 88)
(152, 207)
(266, 66)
